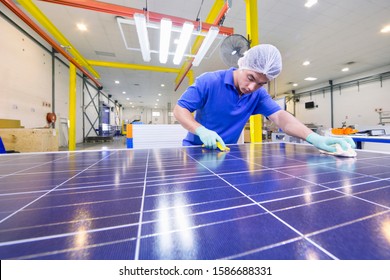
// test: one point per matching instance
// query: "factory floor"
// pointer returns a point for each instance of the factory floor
(118, 143)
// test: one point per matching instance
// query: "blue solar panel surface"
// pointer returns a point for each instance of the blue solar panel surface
(258, 201)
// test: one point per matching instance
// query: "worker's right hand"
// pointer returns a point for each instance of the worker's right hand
(209, 138)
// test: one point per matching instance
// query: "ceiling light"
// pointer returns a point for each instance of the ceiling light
(124, 92)
(159, 94)
(210, 37)
(185, 36)
(162, 85)
(310, 3)
(345, 69)
(385, 29)
(142, 32)
(117, 82)
(81, 27)
(295, 85)
(310, 79)
(305, 63)
(165, 38)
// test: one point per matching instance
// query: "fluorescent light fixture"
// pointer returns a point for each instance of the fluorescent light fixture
(310, 3)
(310, 79)
(345, 69)
(142, 32)
(210, 37)
(185, 36)
(385, 29)
(305, 63)
(165, 38)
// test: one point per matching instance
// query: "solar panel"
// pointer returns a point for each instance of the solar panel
(270, 201)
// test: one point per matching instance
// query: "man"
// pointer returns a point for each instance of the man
(224, 100)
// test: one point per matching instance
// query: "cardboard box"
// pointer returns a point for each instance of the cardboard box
(29, 140)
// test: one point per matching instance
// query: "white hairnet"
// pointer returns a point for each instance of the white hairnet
(263, 58)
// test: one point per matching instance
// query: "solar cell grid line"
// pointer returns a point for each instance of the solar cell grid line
(40, 196)
(282, 221)
(141, 212)
(193, 203)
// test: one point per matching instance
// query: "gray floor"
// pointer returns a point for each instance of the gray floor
(118, 143)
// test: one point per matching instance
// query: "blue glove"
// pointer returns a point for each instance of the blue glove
(209, 137)
(326, 143)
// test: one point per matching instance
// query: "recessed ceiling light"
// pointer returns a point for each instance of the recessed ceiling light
(117, 82)
(385, 29)
(345, 69)
(305, 63)
(159, 94)
(81, 27)
(162, 85)
(127, 98)
(157, 100)
(310, 3)
(295, 85)
(124, 92)
(310, 79)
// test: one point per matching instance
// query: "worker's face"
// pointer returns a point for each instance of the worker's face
(248, 81)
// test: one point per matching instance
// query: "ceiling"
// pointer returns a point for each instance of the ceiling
(332, 34)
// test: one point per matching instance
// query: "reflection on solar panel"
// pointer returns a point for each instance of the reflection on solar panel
(259, 201)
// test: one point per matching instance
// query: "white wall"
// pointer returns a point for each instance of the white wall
(356, 104)
(26, 76)
(25, 73)
(129, 114)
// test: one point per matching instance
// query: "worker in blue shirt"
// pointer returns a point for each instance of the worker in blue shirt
(224, 100)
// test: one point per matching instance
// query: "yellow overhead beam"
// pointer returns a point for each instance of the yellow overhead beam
(211, 17)
(133, 66)
(46, 23)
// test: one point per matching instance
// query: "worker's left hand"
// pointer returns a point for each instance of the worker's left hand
(327, 143)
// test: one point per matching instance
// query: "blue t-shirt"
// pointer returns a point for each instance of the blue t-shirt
(220, 108)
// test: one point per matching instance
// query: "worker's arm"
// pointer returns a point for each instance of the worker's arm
(292, 126)
(185, 118)
(208, 137)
